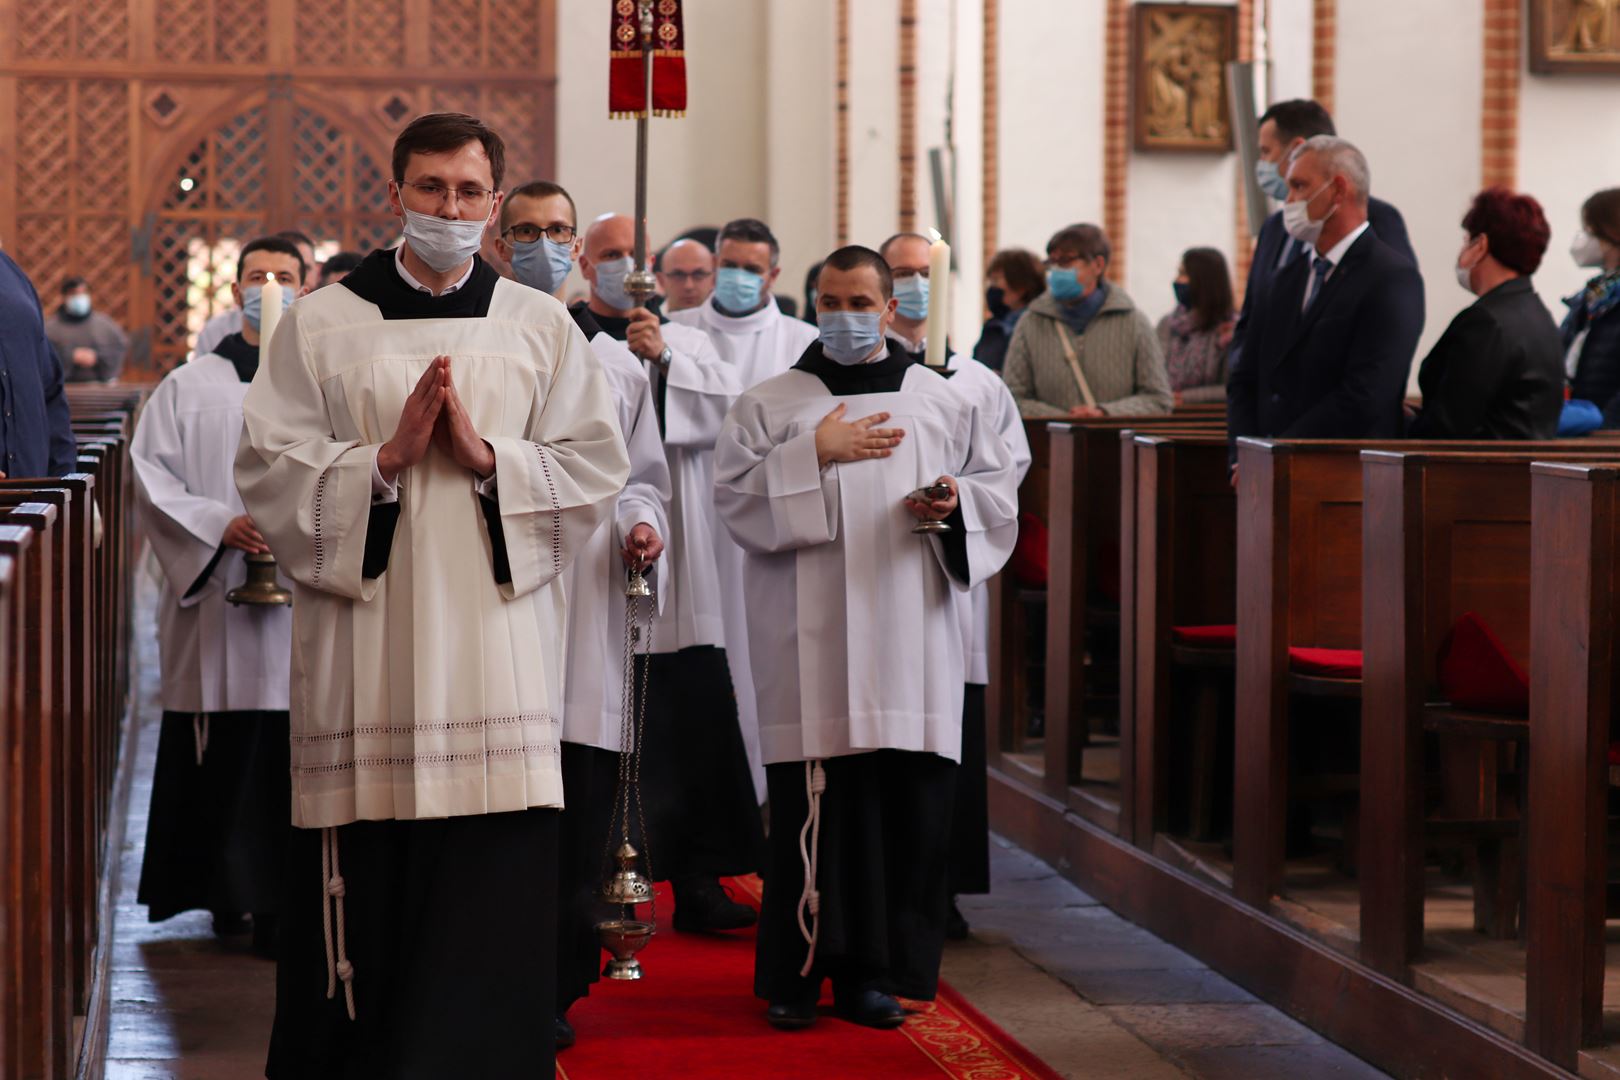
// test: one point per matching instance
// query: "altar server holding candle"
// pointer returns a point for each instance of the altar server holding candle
(856, 643)
(217, 829)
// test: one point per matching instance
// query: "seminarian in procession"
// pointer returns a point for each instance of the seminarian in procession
(832, 559)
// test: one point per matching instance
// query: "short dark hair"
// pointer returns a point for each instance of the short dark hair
(750, 231)
(341, 263)
(1086, 241)
(1021, 269)
(72, 283)
(297, 237)
(280, 245)
(445, 133)
(883, 248)
(1299, 118)
(1211, 286)
(538, 189)
(1513, 225)
(854, 257)
(1601, 215)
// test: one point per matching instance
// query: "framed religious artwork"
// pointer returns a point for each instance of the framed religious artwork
(1568, 36)
(1179, 54)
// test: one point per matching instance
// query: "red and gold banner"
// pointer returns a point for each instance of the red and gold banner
(626, 90)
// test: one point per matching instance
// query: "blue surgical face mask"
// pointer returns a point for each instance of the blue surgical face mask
(77, 305)
(253, 303)
(912, 292)
(1183, 293)
(1064, 285)
(542, 264)
(1271, 180)
(738, 290)
(609, 286)
(848, 337)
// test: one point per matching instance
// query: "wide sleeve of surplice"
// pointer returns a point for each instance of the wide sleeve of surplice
(699, 389)
(773, 496)
(183, 527)
(308, 492)
(557, 484)
(647, 493)
(986, 518)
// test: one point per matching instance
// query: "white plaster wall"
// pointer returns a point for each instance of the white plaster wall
(968, 313)
(1414, 109)
(1564, 156)
(800, 151)
(1051, 137)
(1288, 48)
(1175, 201)
(874, 119)
(706, 167)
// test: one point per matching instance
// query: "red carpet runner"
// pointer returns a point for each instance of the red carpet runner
(694, 1015)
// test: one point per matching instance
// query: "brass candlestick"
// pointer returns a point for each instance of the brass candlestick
(262, 588)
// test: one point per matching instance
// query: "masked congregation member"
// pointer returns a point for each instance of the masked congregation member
(751, 334)
(1497, 372)
(538, 238)
(685, 275)
(229, 322)
(218, 826)
(90, 343)
(426, 451)
(906, 255)
(702, 814)
(856, 643)
(1591, 328)
(36, 432)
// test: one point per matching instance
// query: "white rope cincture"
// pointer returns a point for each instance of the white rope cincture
(815, 782)
(333, 889)
(199, 735)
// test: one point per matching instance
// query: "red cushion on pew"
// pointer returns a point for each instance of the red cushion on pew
(1614, 753)
(1477, 672)
(1205, 637)
(1029, 560)
(1326, 663)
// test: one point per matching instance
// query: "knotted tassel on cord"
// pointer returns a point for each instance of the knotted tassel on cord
(815, 782)
(199, 735)
(333, 890)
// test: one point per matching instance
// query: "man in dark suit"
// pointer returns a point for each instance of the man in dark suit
(1283, 128)
(1327, 355)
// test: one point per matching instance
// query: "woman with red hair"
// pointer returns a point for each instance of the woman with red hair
(1497, 371)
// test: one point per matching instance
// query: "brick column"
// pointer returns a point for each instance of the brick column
(1242, 242)
(991, 97)
(1499, 119)
(1116, 131)
(908, 115)
(1325, 50)
(841, 177)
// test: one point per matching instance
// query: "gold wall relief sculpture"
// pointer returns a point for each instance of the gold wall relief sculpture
(1179, 53)
(1575, 36)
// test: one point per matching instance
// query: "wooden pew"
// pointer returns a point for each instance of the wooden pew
(1443, 534)
(1179, 547)
(14, 672)
(1574, 658)
(1086, 560)
(1299, 584)
(1006, 706)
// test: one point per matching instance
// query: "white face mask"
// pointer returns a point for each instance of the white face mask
(1586, 250)
(1465, 269)
(1297, 218)
(443, 244)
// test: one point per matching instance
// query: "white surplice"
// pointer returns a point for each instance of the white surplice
(216, 657)
(757, 346)
(699, 388)
(593, 710)
(217, 329)
(430, 690)
(854, 633)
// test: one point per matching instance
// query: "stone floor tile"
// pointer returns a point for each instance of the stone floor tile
(1176, 1029)
(1065, 961)
(1175, 986)
(1323, 1061)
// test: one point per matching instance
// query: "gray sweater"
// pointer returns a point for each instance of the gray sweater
(96, 332)
(1119, 354)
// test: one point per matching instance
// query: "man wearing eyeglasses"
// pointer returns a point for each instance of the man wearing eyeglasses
(426, 449)
(685, 275)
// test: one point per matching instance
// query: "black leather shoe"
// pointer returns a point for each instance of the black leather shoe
(702, 907)
(870, 1008)
(791, 1015)
(565, 1033)
(956, 925)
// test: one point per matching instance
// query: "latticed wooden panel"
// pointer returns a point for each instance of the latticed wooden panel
(514, 34)
(44, 159)
(239, 31)
(100, 254)
(322, 29)
(238, 180)
(44, 30)
(515, 112)
(103, 28)
(376, 33)
(456, 34)
(448, 97)
(320, 163)
(42, 243)
(101, 153)
(183, 31)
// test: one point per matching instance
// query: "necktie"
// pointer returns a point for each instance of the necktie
(1319, 273)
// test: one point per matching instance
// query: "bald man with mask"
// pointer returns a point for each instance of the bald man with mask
(702, 815)
(685, 275)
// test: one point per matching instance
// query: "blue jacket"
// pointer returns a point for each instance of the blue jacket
(36, 433)
(1597, 373)
(1337, 370)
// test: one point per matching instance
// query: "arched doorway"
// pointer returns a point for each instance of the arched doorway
(239, 180)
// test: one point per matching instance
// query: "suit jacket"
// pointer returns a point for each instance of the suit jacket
(1268, 248)
(1337, 370)
(1496, 373)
